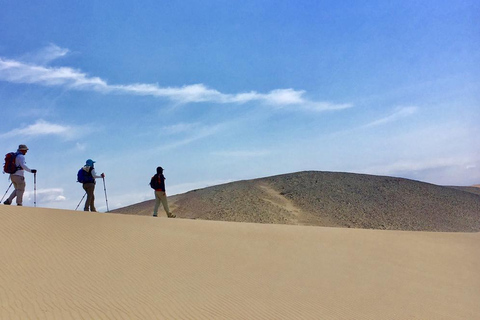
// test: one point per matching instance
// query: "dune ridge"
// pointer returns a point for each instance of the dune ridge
(331, 199)
(58, 264)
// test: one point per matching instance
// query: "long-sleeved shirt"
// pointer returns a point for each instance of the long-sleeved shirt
(21, 165)
(92, 171)
(161, 182)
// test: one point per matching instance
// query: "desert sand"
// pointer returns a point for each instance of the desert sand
(58, 264)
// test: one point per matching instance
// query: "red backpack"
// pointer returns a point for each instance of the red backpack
(9, 165)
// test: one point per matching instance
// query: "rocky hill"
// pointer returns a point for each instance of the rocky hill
(331, 199)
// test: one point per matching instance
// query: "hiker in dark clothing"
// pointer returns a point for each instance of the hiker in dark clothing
(158, 184)
(88, 180)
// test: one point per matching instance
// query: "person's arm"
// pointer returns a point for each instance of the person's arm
(94, 174)
(22, 164)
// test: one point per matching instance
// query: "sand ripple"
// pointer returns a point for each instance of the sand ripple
(57, 264)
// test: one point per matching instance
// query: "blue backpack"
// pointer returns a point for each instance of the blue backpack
(84, 176)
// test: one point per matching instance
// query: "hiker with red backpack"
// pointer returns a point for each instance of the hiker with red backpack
(158, 184)
(15, 165)
(87, 175)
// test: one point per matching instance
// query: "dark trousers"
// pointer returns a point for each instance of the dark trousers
(90, 202)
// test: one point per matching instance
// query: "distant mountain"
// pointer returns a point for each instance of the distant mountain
(331, 199)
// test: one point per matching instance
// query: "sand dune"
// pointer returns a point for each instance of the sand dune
(57, 264)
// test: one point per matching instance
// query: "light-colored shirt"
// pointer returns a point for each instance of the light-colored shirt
(20, 163)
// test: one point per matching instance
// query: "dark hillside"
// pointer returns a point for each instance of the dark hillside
(331, 199)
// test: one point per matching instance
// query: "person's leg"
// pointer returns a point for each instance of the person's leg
(157, 203)
(163, 198)
(19, 185)
(89, 203)
(92, 203)
(20, 190)
(14, 192)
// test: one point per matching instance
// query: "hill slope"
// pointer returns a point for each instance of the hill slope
(330, 199)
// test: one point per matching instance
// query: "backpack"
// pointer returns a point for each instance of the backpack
(154, 184)
(84, 176)
(10, 166)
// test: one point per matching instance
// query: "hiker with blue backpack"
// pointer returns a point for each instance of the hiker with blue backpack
(15, 165)
(87, 175)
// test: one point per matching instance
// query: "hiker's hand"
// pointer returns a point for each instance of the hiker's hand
(103, 175)
(34, 170)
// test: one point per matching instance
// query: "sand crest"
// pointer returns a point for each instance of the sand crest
(58, 264)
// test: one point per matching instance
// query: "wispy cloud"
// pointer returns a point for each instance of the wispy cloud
(45, 55)
(200, 132)
(179, 128)
(42, 128)
(47, 195)
(20, 72)
(242, 153)
(36, 72)
(80, 146)
(402, 166)
(442, 170)
(399, 113)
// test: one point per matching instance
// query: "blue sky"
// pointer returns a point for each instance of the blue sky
(218, 91)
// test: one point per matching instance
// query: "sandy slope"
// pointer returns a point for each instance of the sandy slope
(57, 264)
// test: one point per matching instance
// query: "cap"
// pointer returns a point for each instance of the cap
(90, 162)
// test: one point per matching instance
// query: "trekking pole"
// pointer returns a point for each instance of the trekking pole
(105, 189)
(35, 189)
(80, 201)
(6, 191)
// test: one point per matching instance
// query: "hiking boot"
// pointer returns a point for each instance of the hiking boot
(171, 215)
(19, 204)
(155, 215)
(7, 202)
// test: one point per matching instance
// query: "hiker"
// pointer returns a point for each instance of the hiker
(158, 184)
(17, 178)
(87, 176)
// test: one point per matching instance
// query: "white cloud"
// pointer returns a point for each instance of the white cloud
(42, 128)
(399, 113)
(284, 97)
(45, 55)
(46, 195)
(36, 73)
(19, 72)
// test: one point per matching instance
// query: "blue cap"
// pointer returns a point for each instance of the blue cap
(90, 162)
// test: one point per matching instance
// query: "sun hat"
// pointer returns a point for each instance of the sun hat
(22, 147)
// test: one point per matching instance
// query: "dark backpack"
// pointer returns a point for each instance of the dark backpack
(10, 166)
(154, 184)
(84, 176)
